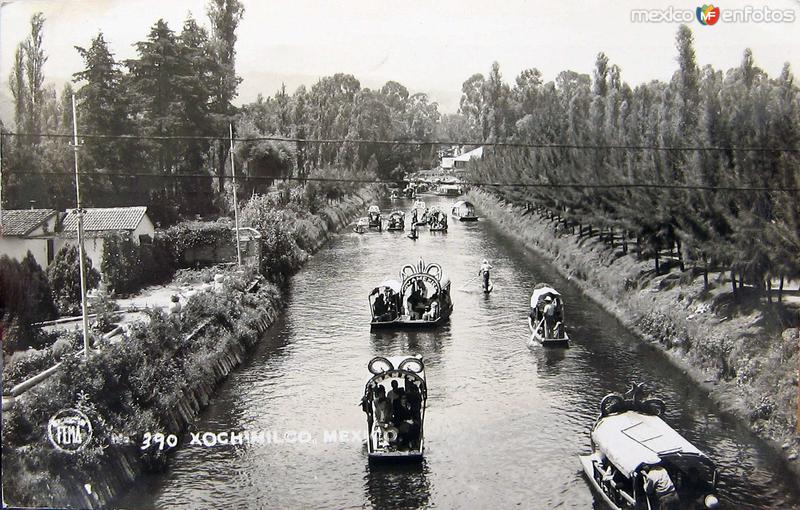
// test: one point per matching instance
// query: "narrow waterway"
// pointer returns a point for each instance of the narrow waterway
(504, 423)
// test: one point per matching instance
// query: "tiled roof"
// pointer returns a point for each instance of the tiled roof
(103, 219)
(21, 222)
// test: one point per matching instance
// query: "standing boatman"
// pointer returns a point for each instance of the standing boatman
(484, 271)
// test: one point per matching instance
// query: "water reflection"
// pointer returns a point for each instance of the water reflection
(397, 485)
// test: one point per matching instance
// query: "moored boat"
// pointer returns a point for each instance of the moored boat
(464, 211)
(546, 317)
(424, 299)
(638, 461)
(394, 400)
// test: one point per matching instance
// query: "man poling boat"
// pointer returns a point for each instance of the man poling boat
(484, 273)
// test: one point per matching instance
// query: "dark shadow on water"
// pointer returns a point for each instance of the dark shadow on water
(397, 485)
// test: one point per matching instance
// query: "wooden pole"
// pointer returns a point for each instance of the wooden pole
(81, 248)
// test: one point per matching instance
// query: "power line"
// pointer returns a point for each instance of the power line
(352, 180)
(361, 141)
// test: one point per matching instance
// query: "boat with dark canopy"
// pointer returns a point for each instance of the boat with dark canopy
(396, 221)
(394, 401)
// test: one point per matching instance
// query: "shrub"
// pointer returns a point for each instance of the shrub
(25, 298)
(65, 280)
(121, 266)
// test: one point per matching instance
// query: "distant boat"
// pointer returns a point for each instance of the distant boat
(546, 319)
(464, 211)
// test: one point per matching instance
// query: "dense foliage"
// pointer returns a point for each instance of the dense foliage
(25, 298)
(65, 280)
(755, 233)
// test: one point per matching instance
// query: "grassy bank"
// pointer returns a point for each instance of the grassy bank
(160, 376)
(743, 352)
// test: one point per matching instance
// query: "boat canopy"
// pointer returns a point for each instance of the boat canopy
(419, 204)
(397, 214)
(631, 439)
(394, 285)
(409, 368)
(465, 206)
(541, 293)
(374, 209)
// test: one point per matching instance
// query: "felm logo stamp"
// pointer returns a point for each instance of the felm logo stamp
(69, 430)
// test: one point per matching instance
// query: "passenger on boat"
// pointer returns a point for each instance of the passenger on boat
(380, 308)
(433, 311)
(405, 421)
(390, 298)
(383, 408)
(549, 312)
(395, 393)
(416, 301)
(657, 480)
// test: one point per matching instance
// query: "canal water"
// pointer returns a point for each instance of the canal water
(504, 423)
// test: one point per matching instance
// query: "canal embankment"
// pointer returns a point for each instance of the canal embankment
(160, 376)
(743, 353)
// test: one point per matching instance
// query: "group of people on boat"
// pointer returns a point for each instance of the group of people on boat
(419, 307)
(386, 306)
(547, 316)
(397, 413)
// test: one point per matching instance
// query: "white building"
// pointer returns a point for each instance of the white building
(99, 223)
(33, 230)
(45, 231)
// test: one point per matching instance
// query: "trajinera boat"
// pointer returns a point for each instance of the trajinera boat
(546, 318)
(397, 221)
(420, 300)
(361, 226)
(419, 213)
(374, 217)
(448, 190)
(437, 219)
(639, 462)
(464, 211)
(394, 401)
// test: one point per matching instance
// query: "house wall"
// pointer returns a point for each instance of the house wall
(36, 242)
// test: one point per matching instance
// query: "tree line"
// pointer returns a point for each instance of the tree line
(182, 84)
(753, 234)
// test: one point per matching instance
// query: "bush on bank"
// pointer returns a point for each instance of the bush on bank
(130, 387)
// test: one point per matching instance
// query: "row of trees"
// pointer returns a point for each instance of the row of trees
(754, 233)
(180, 84)
(336, 107)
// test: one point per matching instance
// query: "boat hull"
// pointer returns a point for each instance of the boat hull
(550, 342)
(588, 470)
(405, 323)
(468, 218)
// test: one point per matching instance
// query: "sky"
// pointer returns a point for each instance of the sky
(429, 46)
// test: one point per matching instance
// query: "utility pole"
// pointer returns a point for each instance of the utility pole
(1, 184)
(235, 204)
(81, 250)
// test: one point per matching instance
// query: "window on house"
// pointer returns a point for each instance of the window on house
(50, 251)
